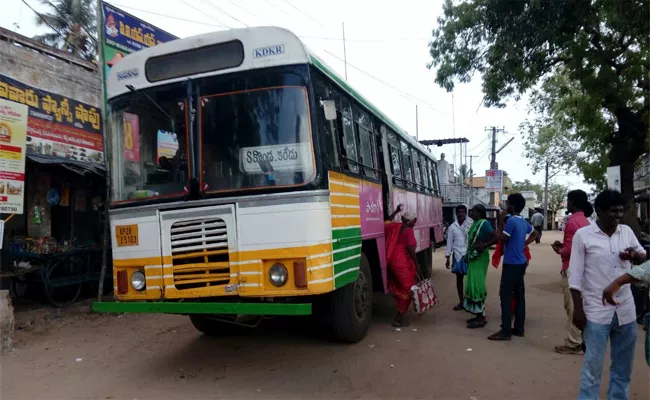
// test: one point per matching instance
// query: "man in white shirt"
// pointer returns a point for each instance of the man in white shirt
(600, 253)
(457, 245)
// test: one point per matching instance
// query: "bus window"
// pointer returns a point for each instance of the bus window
(434, 177)
(408, 165)
(364, 127)
(418, 169)
(349, 142)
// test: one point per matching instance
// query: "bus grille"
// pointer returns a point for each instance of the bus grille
(200, 253)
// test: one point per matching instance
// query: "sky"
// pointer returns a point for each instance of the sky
(387, 55)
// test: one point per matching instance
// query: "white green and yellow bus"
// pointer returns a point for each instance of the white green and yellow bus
(249, 179)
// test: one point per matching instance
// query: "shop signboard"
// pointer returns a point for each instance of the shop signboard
(57, 126)
(494, 180)
(124, 34)
(13, 138)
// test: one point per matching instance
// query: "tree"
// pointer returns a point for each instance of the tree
(592, 56)
(463, 173)
(556, 199)
(519, 186)
(73, 27)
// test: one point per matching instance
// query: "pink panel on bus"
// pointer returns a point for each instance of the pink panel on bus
(371, 210)
(429, 212)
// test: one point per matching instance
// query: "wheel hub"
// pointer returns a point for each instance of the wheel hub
(361, 296)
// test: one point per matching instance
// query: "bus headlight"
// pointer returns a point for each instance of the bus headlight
(278, 274)
(138, 281)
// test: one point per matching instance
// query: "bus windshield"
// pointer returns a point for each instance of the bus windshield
(256, 138)
(149, 127)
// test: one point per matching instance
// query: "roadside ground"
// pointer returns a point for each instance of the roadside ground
(77, 355)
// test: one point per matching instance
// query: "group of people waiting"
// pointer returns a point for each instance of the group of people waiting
(597, 267)
(468, 241)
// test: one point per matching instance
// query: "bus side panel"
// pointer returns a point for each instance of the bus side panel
(437, 218)
(372, 225)
(346, 227)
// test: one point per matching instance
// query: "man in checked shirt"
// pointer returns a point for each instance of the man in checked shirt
(600, 254)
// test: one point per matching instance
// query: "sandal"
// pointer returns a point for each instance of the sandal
(476, 324)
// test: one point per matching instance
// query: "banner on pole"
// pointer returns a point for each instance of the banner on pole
(494, 180)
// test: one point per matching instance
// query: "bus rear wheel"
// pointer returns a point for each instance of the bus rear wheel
(351, 306)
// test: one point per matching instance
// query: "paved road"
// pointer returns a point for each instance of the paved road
(81, 356)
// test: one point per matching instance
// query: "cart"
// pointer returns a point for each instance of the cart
(62, 274)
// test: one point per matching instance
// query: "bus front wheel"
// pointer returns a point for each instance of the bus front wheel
(351, 306)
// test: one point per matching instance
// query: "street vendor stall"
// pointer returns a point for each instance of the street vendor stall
(55, 246)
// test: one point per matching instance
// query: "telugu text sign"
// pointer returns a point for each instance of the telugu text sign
(494, 180)
(57, 126)
(13, 137)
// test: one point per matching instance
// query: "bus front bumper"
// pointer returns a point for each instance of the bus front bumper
(203, 308)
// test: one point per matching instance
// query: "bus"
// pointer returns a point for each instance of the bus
(250, 180)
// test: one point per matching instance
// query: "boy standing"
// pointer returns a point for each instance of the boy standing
(515, 237)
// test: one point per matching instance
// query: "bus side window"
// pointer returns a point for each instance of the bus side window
(349, 141)
(323, 92)
(394, 153)
(408, 164)
(434, 176)
(366, 149)
(417, 169)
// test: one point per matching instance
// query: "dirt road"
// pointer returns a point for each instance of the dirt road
(83, 356)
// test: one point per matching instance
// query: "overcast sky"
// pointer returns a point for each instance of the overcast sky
(386, 40)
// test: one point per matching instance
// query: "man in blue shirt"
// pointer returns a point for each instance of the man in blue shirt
(515, 236)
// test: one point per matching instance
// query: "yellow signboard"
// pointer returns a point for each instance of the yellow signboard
(13, 137)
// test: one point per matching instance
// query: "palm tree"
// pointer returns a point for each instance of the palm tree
(73, 27)
(463, 173)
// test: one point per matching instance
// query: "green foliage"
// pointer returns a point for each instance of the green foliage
(556, 197)
(587, 63)
(519, 186)
(75, 28)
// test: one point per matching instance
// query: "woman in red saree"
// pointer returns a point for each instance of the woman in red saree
(402, 262)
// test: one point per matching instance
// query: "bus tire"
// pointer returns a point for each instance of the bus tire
(351, 306)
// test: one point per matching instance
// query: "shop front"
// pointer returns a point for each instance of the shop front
(52, 244)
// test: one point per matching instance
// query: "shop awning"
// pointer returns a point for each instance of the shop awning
(79, 167)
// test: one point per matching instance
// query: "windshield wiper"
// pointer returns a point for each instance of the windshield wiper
(136, 91)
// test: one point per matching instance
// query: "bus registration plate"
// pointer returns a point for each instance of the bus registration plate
(127, 235)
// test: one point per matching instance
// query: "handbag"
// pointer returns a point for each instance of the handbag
(424, 297)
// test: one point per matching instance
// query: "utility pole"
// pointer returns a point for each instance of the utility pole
(471, 181)
(547, 179)
(545, 197)
(345, 57)
(493, 156)
(417, 127)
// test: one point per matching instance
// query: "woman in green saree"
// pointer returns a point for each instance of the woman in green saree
(480, 237)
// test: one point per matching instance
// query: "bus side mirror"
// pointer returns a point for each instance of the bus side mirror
(329, 108)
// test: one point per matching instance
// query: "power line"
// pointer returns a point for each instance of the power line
(479, 145)
(245, 10)
(208, 2)
(305, 14)
(405, 94)
(43, 19)
(382, 40)
(203, 12)
(169, 16)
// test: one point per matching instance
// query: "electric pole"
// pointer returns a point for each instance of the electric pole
(547, 178)
(417, 124)
(493, 157)
(471, 181)
(345, 57)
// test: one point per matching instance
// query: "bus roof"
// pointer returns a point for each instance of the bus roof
(263, 47)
